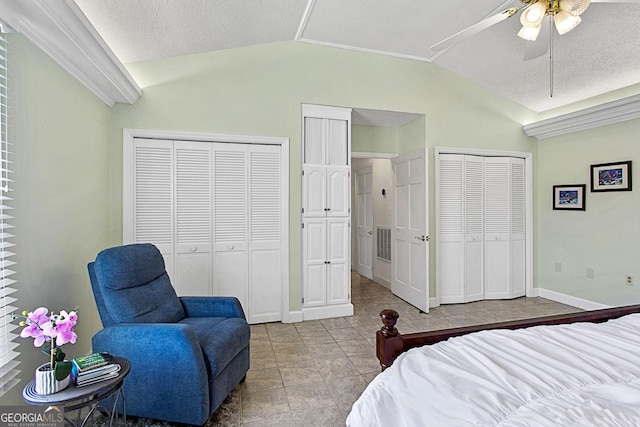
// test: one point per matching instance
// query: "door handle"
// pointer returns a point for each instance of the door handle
(369, 232)
(423, 238)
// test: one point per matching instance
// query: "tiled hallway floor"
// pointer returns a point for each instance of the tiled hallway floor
(310, 373)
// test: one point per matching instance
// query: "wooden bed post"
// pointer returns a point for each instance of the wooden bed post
(388, 340)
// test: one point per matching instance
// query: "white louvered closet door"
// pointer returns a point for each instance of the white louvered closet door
(482, 228)
(518, 228)
(474, 228)
(230, 222)
(265, 239)
(193, 218)
(497, 226)
(451, 274)
(215, 212)
(152, 192)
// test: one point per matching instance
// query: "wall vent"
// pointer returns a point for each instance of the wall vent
(384, 243)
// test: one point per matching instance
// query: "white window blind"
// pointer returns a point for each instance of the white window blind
(8, 333)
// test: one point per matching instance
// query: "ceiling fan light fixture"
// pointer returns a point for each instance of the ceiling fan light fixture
(574, 7)
(529, 33)
(565, 22)
(532, 16)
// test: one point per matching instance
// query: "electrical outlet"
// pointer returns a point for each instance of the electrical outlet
(590, 273)
(558, 267)
(628, 280)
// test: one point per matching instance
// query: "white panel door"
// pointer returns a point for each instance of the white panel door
(314, 255)
(496, 222)
(451, 275)
(314, 192)
(337, 258)
(153, 187)
(230, 222)
(474, 228)
(193, 178)
(265, 221)
(409, 265)
(337, 198)
(364, 240)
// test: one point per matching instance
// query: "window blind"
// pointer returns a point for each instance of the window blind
(8, 333)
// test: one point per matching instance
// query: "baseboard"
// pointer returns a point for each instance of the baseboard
(327, 312)
(292, 317)
(570, 300)
(434, 302)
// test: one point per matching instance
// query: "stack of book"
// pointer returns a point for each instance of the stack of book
(94, 368)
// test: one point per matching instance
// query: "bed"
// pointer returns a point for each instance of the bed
(580, 369)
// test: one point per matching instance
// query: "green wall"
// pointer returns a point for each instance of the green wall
(374, 139)
(605, 236)
(258, 90)
(60, 135)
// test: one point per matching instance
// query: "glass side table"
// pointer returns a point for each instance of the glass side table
(75, 398)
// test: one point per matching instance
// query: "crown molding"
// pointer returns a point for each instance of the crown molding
(604, 114)
(61, 30)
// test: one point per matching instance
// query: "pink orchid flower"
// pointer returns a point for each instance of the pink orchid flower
(35, 322)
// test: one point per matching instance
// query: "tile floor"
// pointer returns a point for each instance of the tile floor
(310, 373)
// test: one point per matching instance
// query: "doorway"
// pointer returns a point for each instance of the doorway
(373, 192)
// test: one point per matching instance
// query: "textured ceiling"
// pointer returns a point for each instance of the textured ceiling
(600, 55)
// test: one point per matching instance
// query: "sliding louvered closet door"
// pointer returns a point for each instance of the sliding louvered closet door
(481, 228)
(214, 211)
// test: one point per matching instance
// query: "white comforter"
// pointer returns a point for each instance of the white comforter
(582, 374)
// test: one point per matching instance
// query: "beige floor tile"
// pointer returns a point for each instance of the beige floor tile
(263, 379)
(346, 390)
(262, 404)
(321, 417)
(263, 360)
(282, 420)
(365, 363)
(325, 351)
(309, 396)
(294, 375)
(336, 368)
(357, 346)
(345, 334)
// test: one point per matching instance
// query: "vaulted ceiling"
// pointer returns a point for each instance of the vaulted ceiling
(600, 55)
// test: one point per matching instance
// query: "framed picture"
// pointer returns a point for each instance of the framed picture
(611, 176)
(569, 197)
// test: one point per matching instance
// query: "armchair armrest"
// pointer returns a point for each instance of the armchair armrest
(164, 357)
(212, 307)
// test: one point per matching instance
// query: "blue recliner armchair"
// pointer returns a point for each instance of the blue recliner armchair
(187, 354)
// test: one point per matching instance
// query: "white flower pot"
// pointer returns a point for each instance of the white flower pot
(45, 380)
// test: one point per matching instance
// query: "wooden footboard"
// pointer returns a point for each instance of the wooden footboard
(390, 343)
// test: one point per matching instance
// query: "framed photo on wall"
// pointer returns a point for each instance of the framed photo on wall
(611, 176)
(569, 197)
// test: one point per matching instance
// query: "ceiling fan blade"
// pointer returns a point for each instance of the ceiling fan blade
(475, 29)
(541, 46)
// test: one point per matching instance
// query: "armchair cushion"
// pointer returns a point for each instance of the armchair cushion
(221, 339)
(135, 285)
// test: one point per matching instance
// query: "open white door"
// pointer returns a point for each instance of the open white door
(409, 231)
(364, 222)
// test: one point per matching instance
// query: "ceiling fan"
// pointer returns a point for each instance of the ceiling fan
(564, 15)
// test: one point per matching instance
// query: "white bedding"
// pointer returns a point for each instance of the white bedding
(582, 374)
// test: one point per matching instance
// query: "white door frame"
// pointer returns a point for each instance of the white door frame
(128, 136)
(528, 161)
